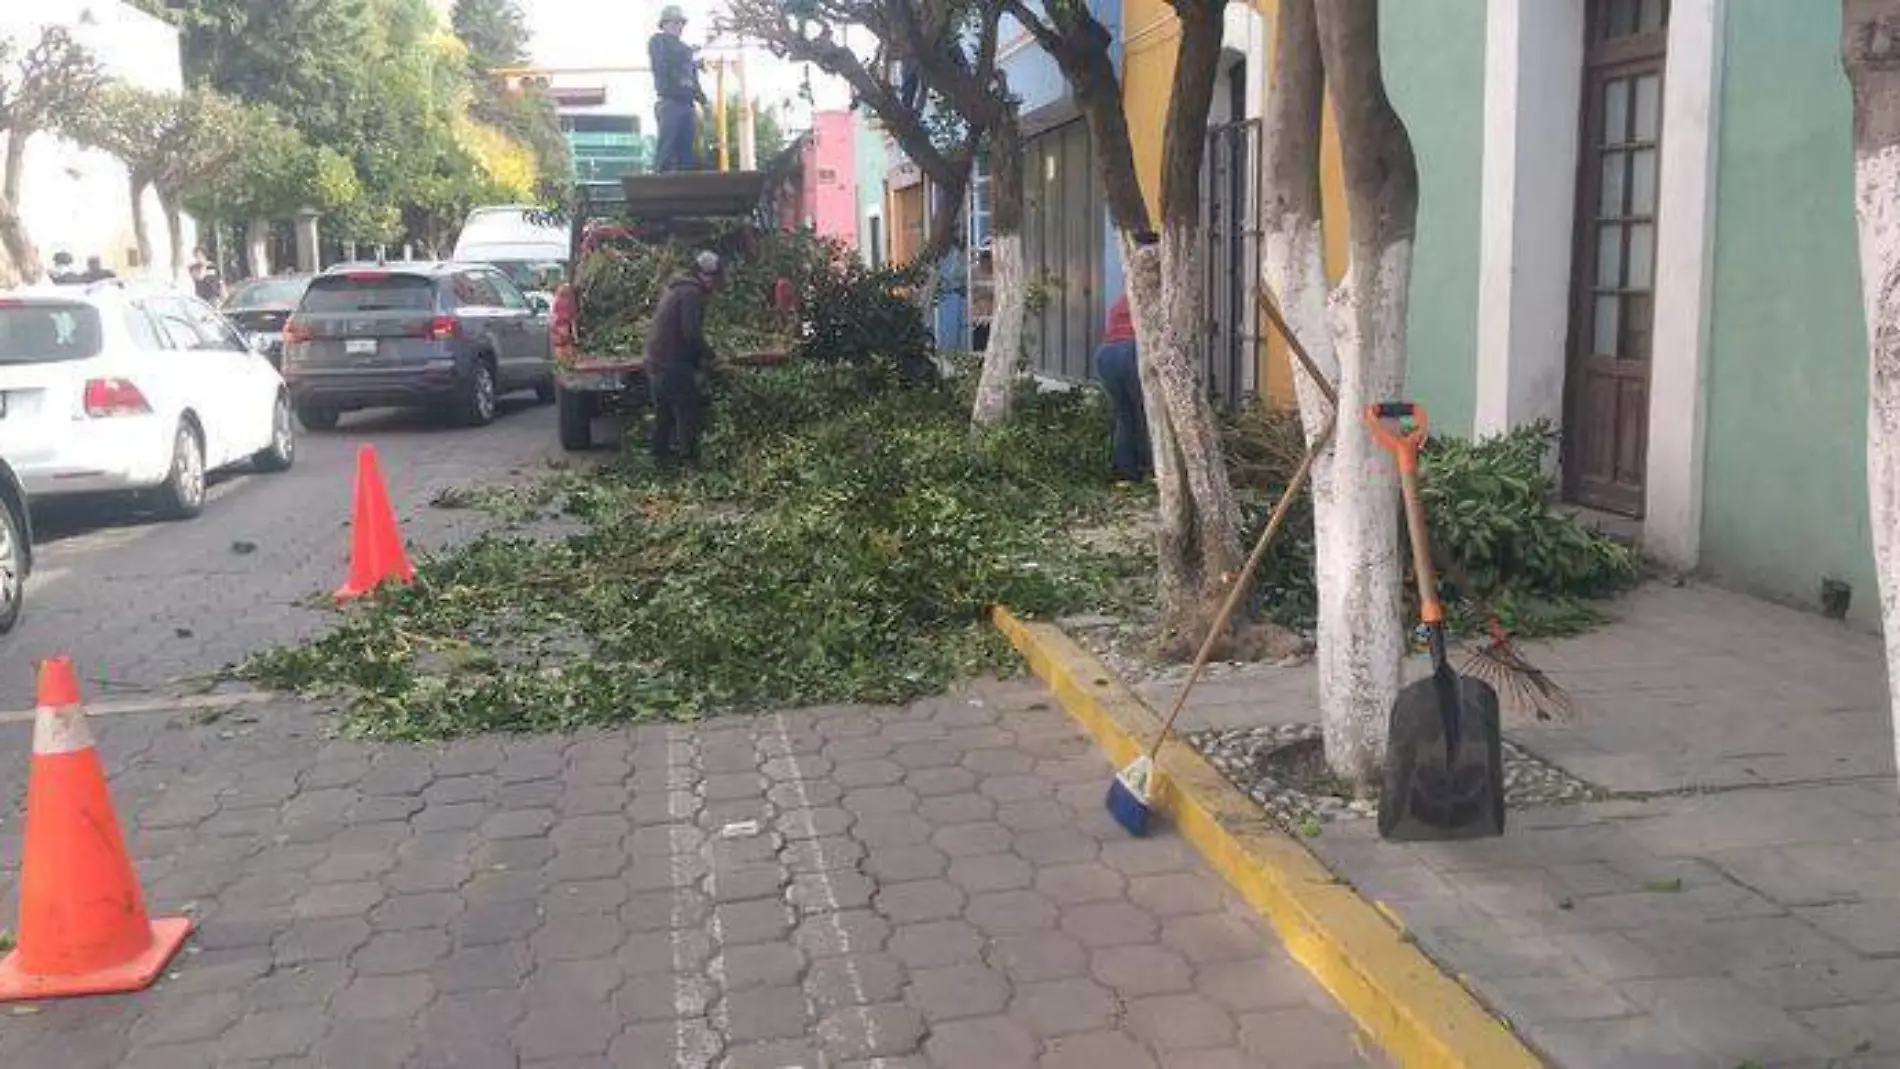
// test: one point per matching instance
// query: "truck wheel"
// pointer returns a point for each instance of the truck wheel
(476, 406)
(317, 418)
(576, 412)
(545, 390)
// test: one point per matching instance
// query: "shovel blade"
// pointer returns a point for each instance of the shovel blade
(1435, 793)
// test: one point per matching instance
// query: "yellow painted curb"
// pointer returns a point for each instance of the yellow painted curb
(1418, 1014)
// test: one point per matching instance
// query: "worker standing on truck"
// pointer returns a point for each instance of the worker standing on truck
(676, 83)
(677, 359)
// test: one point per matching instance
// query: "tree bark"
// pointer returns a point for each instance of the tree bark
(1360, 597)
(174, 232)
(141, 227)
(1294, 269)
(1870, 51)
(23, 254)
(1199, 522)
(257, 247)
(1002, 357)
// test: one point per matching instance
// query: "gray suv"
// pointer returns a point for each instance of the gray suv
(450, 336)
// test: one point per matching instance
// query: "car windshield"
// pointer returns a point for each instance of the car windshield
(275, 292)
(47, 332)
(369, 292)
(531, 274)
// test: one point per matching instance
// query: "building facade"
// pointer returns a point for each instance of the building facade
(1638, 223)
(830, 192)
(78, 200)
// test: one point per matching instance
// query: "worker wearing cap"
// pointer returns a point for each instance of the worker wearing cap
(677, 359)
(676, 83)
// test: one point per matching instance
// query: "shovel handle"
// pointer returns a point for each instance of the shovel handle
(1404, 445)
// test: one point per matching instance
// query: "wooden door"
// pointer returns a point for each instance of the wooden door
(1607, 385)
(1062, 251)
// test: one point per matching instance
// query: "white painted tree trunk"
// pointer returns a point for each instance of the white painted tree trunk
(1002, 357)
(1197, 536)
(1358, 649)
(1362, 630)
(1877, 207)
(257, 242)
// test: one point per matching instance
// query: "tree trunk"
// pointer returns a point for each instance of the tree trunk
(1870, 50)
(141, 228)
(1002, 357)
(1359, 598)
(174, 233)
(1198, 532)
(14, 239)
(1294, 269)
(257, 246)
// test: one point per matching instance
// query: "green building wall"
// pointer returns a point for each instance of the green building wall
(1785, 486)
(1433, 55)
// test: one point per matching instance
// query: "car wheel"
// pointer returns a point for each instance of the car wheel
(576, 412)
(282, 451)
(477, 406)
(317, 419)
(545, 390)
(183, 495)
(12, 568)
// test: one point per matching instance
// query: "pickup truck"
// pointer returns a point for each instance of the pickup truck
(638, 207)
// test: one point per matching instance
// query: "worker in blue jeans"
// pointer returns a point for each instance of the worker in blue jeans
(1117, 363)
(676, 83)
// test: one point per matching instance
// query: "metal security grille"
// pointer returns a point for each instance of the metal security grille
(1232, 342)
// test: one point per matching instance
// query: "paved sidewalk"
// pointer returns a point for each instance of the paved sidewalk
(1736, 904)
(930, 886)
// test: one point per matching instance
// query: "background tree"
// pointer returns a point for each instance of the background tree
(1197, 541)
(43, 87)
(939, 139)
(1870, 51)
(171, 144)
(495, 33)
(962, 106)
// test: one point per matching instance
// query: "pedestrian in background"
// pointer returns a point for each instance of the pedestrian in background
(678, 358)
(63, 273)
(1117, 364)
(676, 83)
(97, 271)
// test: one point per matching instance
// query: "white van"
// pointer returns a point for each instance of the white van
(532, 254)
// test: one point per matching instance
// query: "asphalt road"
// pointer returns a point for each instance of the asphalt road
(147, 608)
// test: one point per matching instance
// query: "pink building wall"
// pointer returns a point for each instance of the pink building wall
(831, 183)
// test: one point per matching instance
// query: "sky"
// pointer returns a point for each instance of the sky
(589, 33)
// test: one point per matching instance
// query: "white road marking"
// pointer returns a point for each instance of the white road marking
(827, 891)
(195, 703)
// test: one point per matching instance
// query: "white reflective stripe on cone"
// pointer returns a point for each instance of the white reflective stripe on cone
(57, 731)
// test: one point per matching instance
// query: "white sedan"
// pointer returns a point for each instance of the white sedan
(112, 388)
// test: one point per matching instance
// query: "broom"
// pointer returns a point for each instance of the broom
(1131, 793)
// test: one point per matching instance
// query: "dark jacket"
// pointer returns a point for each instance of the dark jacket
(675, 74)
(677, 338)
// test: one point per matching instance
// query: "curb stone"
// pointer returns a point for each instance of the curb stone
(1353, 947)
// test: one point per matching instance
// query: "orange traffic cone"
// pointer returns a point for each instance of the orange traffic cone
(83, 929)
(376, 553)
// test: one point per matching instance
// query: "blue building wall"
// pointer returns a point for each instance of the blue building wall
(1038, 83)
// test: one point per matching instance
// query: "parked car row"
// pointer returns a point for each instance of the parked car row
(124, 389)
(115, 388)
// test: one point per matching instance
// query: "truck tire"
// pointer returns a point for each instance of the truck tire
(576, 413)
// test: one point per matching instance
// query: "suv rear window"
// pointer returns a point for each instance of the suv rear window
(48, 332)
(267, 292)
(369, 293)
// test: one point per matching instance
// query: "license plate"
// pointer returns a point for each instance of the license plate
(360, 346)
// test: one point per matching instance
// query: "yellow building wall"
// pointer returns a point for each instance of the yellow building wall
(1150, 37)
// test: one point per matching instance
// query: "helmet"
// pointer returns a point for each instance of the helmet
(707, 263)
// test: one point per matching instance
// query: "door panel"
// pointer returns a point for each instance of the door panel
(1062, 252)
(1607, 406)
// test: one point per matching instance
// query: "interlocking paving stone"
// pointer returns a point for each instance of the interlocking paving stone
(900, 927)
